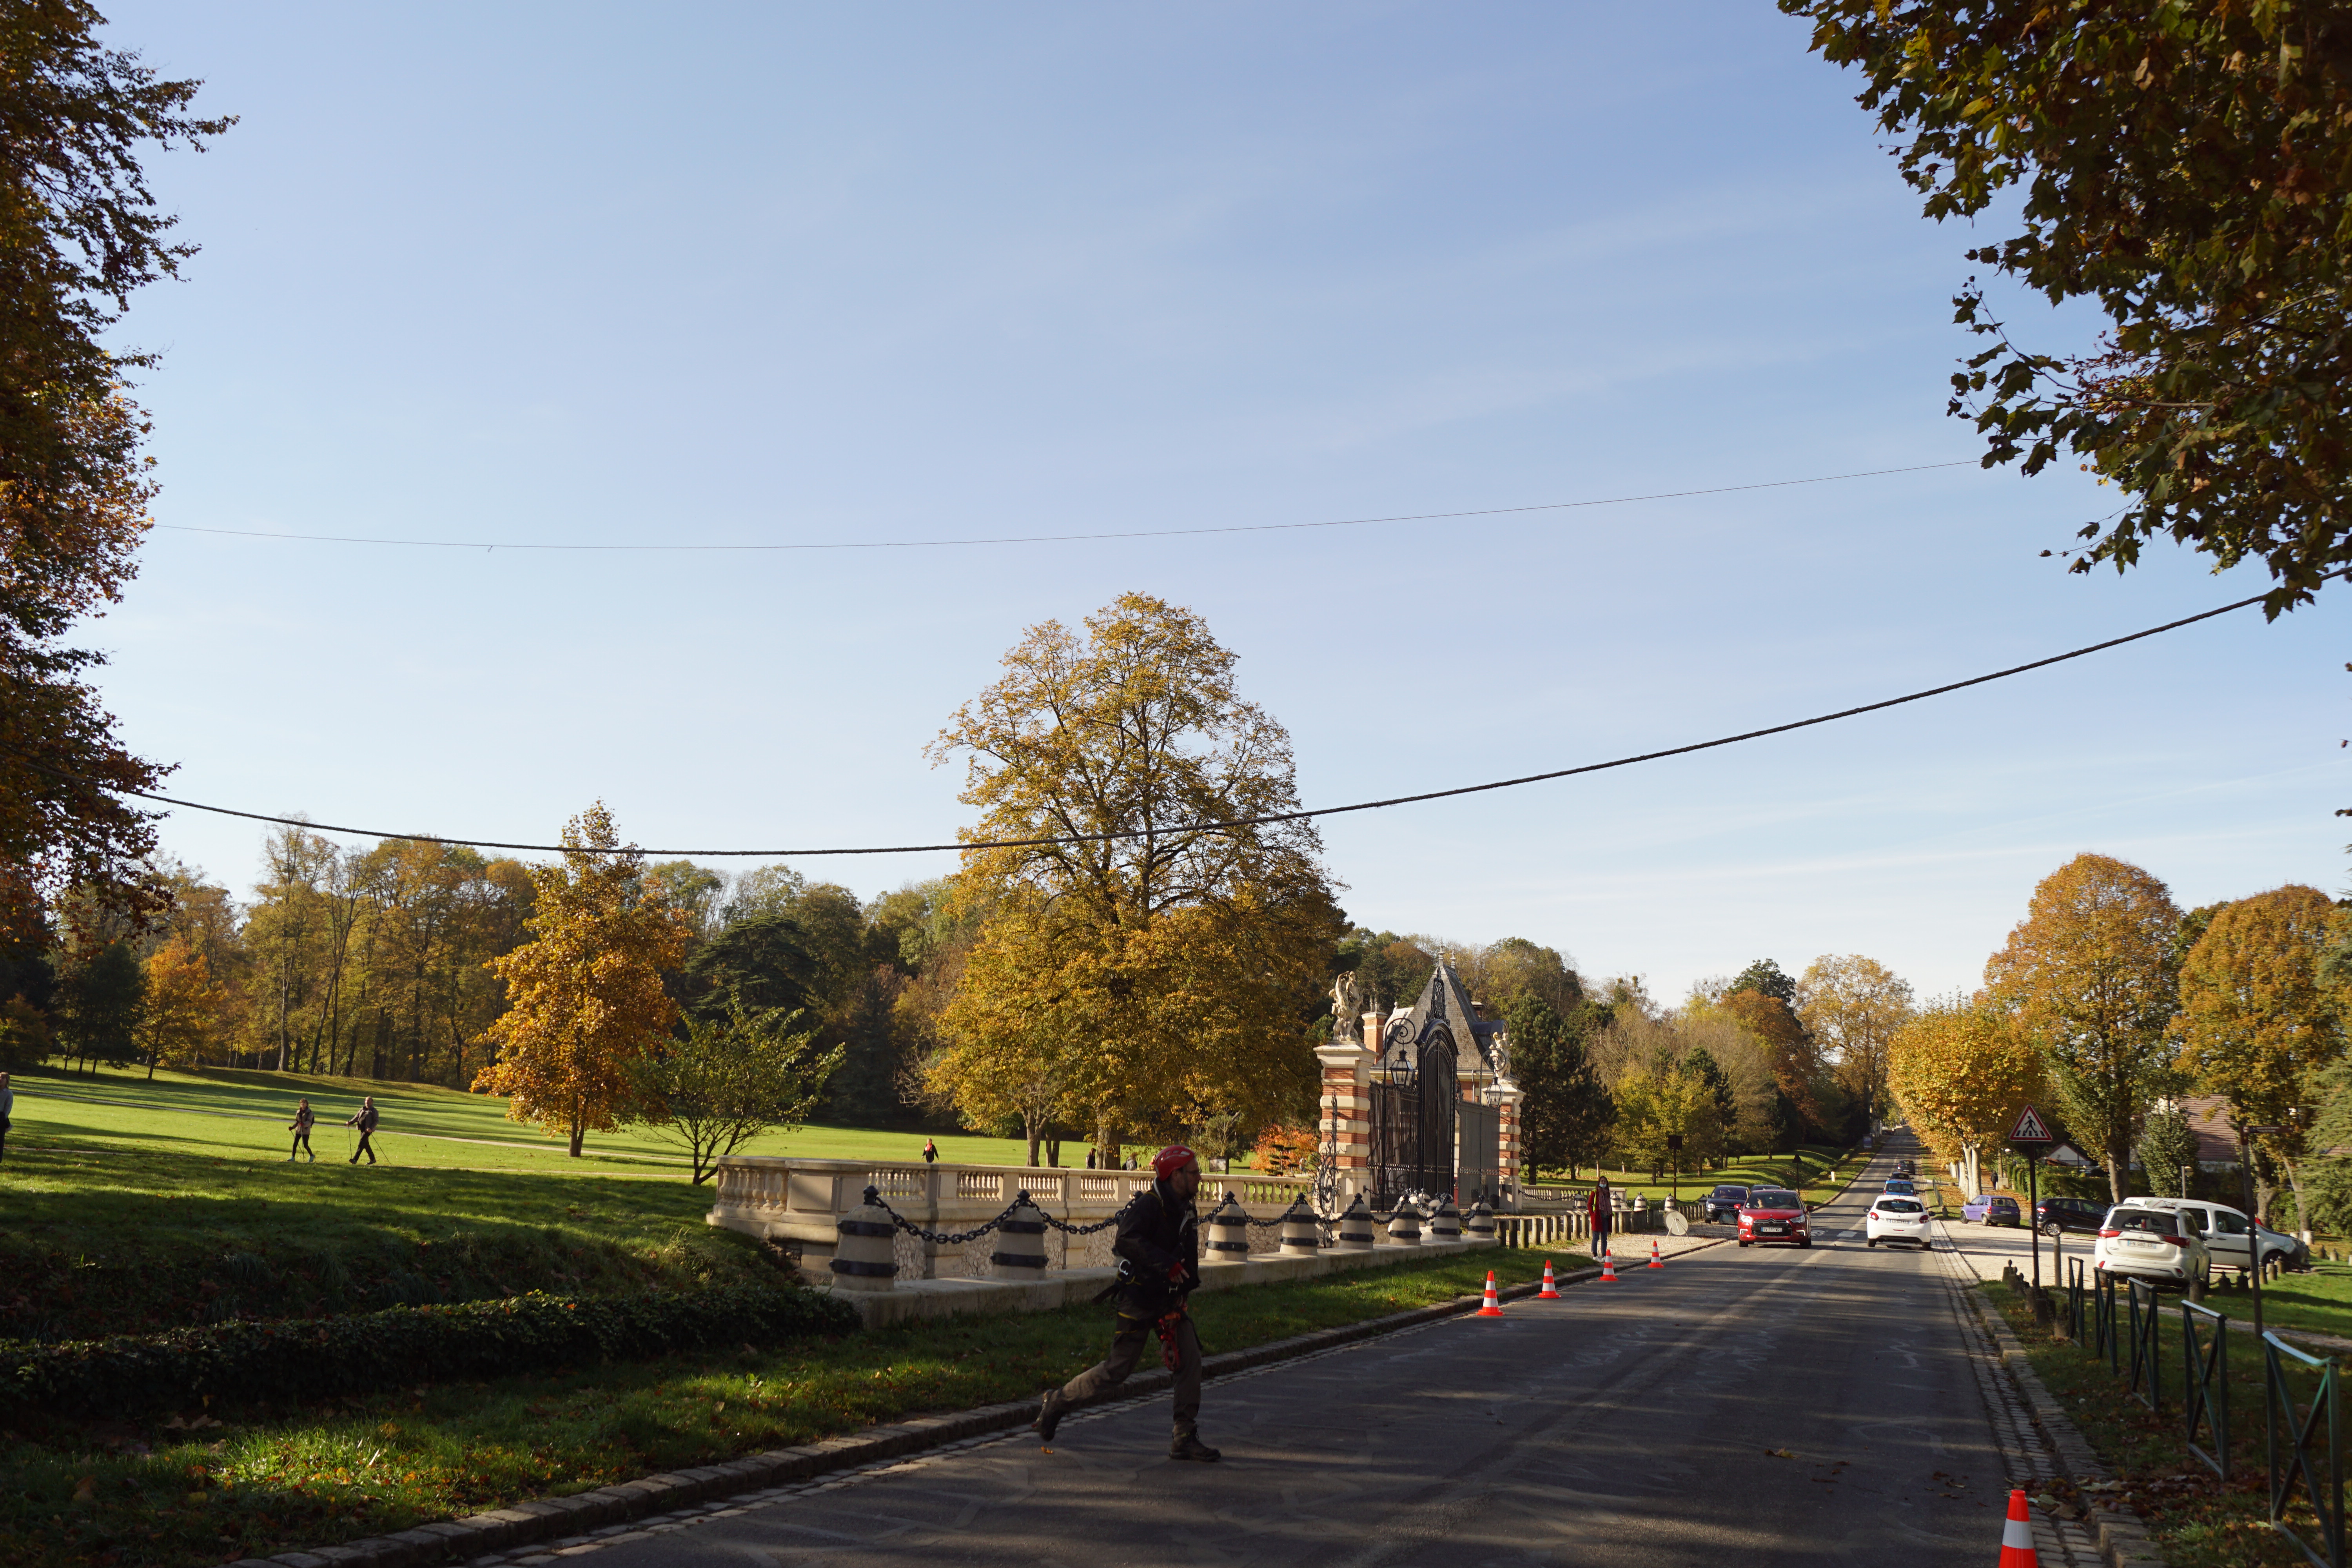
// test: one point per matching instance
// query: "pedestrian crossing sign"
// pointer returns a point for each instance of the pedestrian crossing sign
(2031, 1127)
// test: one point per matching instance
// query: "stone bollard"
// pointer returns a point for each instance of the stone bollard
(1020, 1255)
(1445, 1225)
(1302, 1236)
(1355, 1228)
(865, 1256)
(1228, 1233)
(1478, 1225)
(1404, 1229)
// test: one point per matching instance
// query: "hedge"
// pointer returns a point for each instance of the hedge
(366, 1352)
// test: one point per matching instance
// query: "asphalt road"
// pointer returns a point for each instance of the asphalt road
(1761, 1407)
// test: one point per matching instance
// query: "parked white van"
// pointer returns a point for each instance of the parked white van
(2225, 1231)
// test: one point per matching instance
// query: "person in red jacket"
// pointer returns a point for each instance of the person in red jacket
(1159, 1249)
(1599, 1210)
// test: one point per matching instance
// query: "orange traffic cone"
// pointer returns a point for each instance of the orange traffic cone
(1656, 1261)
(1607, 1266)
(1493, 1307)
(1550, 1292)
(2017, 1535)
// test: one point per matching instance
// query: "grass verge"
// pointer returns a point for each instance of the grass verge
(97, 1245)
(210, 1487)
(2198, 1520)
(242, 1114)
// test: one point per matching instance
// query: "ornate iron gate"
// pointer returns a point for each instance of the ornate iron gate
(1413, 1117)
(1480, 1165)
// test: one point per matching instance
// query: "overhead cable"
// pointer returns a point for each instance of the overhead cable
(1069, 538)
(1166, 829)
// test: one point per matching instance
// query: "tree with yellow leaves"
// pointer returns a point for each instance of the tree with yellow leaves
(1961, 1074)
(585, 997)
(1144, 982)
(2089, 975)
(2256, 1025)
(1852, 1006)
(187, 1010)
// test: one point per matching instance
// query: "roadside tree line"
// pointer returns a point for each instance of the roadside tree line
(2109, 1004)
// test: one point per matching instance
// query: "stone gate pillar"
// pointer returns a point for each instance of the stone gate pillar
(1345, 1134)
(1505, 1096)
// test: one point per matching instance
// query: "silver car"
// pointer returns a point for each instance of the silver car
(2226, 1231)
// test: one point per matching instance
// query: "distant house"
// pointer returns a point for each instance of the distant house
(2209, 1118)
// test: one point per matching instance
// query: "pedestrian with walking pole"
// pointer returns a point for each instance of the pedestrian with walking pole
(1159, 1249)
(365, 1122)
(300, 1128)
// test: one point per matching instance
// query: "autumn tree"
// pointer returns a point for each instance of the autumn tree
(1791, 1054)
(734, 1076)
(2088, 976)
(1143, 899)
(2256, 1027)
(187, 1010)
(2184, 166)
(99, 998)
(1852, 1006)
(1962, 1073)
(79, 232)
(584, 994)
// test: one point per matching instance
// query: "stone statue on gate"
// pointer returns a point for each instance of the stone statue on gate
(1347, 1008)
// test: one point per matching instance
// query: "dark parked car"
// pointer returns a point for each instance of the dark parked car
(1724, 1203)
(2053, 1216)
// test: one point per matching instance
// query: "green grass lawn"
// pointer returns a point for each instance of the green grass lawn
(106, 1243)
(2320, 1301)
(160, 1495)
(243, 1115)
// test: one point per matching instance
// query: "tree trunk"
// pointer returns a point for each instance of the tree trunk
(577, 1130)
(1035, 1131)
(2294, 1184)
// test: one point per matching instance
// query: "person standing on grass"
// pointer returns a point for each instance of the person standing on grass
(8, 1107)
(365, 1122)
(300, 1127)
(930, 1153)
(1158, 1248)
(1599, 1213)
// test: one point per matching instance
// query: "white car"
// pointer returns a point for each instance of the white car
(1894, 1217)
(2141, 1241)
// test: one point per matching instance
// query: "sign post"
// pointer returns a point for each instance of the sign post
(2031, 1137)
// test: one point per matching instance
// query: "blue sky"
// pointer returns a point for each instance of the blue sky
(765, 274)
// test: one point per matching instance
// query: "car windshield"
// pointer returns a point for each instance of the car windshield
(1731, 1191)
(1771, 1198)
(2009, 1204)
(1899, 1206)
(2154, 1222)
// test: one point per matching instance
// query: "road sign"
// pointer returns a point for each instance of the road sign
(2031, 1127)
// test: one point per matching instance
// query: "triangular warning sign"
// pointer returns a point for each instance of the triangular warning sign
(2031, 1127)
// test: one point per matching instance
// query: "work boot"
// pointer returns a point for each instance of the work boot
(1049, 1416)
(1187, 1444)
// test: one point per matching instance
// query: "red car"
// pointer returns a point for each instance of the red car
(1773, 1214)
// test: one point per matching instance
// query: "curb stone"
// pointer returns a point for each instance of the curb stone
(565, 1523)
(2122, 1535)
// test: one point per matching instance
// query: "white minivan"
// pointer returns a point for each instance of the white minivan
(2225, 1231)
(2159, 1245)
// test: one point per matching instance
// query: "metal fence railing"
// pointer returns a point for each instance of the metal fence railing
(2147, 1380)
(2205, 1383)
(2323, 1488)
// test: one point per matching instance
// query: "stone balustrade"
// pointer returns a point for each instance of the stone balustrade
(797, 1203)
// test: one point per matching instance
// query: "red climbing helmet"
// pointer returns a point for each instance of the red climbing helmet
(1170, 1160)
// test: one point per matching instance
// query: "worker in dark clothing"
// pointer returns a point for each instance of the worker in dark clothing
(300, 1128)
(1159, 1250)
(365, 1122)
